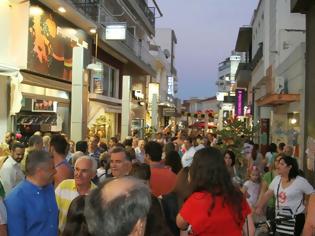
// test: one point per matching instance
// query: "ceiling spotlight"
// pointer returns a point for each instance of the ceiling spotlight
(95, 67)
(61, 9)
(141, 103)
(93, 31)
(36, 11)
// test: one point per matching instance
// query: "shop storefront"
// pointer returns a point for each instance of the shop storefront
(43, 92)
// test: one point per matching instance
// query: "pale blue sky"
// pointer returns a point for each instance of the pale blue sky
(206, 31)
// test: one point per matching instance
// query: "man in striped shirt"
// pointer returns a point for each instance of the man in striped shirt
(84, 171)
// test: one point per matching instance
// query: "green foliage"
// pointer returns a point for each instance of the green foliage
(233, 136)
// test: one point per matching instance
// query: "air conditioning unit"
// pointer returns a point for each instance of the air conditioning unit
(279, 85)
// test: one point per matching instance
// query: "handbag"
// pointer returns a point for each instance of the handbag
(285, 218)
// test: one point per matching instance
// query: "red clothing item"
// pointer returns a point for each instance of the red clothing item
(162, 180)
(219, 223)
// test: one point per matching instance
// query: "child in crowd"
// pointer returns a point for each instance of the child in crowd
(252, 186)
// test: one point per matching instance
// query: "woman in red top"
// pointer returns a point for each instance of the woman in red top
(215, 207)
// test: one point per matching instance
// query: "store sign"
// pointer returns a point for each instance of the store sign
(169, 111)
(39, 105)
(51, 40)
(239, 102)
(116, 31)
(170, 85)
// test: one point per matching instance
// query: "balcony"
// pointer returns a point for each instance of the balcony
(243, 75)
(131, 48)
(149, 12)
(259, 54)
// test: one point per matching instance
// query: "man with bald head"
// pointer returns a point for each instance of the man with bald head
(84, 171)
(118, 200)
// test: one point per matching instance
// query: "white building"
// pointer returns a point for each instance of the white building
(278, 73)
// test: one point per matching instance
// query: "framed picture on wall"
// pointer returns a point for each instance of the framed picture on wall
(39, 105)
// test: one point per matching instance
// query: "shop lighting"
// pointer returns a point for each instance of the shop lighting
(293, 121)
(141, 103)
(93, 31)
(36, 11)
(61, 9)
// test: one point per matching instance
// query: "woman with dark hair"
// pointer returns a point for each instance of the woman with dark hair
(229, 159)
(256, 159)
(216, 206)
(172, 159)
(173, 201)
(289, 190)
(76, 223)
(271, 154)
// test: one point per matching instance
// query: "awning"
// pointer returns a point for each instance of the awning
(277, 99)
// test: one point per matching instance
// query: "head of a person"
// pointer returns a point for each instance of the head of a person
(141, 144)
(276, 161)
(9, 138)
(288, 167)
(71, 146)
(141, 171)
(272, 147)
(104, 160)
(118, 207)
(281, 147)
(229, 158)
(76, 222)
(17, 151)
(46, 142)
(288, 150)
(168, 147)
(75, 157)
(173, 160)
(208, 173)
(93, 143)
(58, 145)
(135, 142)
(128, 142)
(254, 174)
(112, 142)
(84, 170)
(103, 147)
(40, 165)
(153, 151)
(82, 146)
(36, 142)
(188, 142)
(120, 162)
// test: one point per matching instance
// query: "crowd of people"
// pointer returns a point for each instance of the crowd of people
(166, 186)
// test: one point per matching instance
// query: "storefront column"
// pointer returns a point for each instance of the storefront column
(155, 113)
(78, 96)
(125, 113)
(3, 107)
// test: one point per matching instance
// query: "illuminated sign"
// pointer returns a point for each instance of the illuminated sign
(170, 85)
(116, 31)
(239, 102)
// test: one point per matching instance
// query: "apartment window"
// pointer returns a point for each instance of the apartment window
(105, 82)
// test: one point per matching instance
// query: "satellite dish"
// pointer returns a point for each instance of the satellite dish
(167, 53)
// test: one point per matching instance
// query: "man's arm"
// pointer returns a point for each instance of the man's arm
(309, 226)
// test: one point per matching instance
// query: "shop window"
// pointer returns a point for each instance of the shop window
(105, 82)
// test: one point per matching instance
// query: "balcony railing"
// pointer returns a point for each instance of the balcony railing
(98, 12)
(149, 12)
(88, 8)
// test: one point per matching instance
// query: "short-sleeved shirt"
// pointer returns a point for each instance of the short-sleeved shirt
(162, 180)
(221, 220)
(291, 196)
(65, 193)
(253, 189)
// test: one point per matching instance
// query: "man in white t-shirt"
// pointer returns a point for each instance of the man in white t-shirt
(190, 152)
